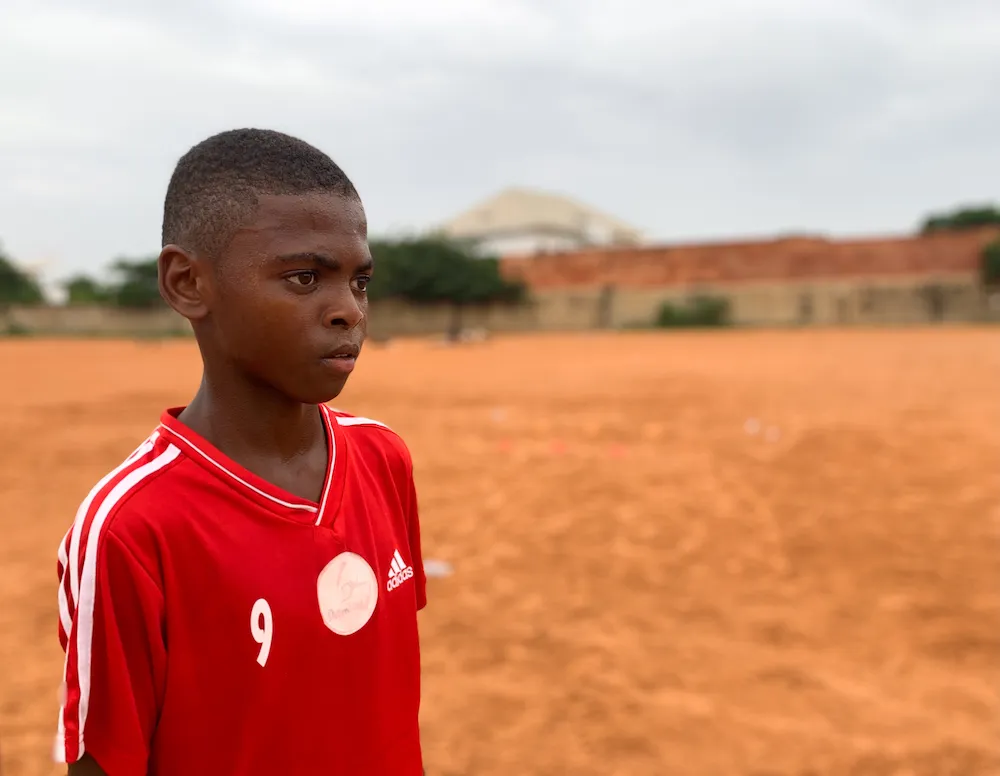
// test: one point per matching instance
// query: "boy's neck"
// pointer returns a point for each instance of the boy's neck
(244, 421)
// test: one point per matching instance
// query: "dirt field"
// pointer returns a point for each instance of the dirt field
(739, 553)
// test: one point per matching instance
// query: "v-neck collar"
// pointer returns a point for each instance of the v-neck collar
(268, 495)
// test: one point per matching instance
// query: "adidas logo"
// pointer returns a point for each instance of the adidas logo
(398, 573)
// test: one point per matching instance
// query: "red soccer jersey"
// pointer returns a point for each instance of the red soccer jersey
(215, 624)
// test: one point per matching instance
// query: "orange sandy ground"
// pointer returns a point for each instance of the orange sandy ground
(640, 586)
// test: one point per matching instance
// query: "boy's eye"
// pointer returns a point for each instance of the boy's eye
(362, 283)
(306, 278)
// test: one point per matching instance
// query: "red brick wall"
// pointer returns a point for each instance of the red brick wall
(787, 259)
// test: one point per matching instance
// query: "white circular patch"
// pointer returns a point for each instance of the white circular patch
(347, 592)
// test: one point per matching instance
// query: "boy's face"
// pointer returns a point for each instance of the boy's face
(286, 301)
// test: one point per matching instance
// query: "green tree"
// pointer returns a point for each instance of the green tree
(81, 289)
(697, 312)
(962, 218)
(433, 270)
(990, 265)
(135, 285)
(16, 285)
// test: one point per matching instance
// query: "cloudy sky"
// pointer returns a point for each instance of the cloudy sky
(693, 119)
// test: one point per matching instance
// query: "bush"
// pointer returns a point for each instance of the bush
(991, 265)
(16, 285)
(432, 270)
(81, 289)
(699, 311)
(971, 217)
(135, 286)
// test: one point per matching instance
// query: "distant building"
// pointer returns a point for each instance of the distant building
(525, 222)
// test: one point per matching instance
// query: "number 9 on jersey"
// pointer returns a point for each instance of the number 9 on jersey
(262, 628)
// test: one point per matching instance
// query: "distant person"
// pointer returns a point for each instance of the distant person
(240, 596)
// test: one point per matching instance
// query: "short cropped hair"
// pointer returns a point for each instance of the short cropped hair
(215, 185)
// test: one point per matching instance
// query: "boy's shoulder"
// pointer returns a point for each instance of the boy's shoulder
(138, 499)
(125, 503)
(372, 436)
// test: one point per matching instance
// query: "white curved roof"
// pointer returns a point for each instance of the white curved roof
(516, 210)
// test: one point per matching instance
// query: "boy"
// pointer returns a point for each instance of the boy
(240, 596)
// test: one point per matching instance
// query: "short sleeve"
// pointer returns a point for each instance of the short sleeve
(413, 532)
(115, 660)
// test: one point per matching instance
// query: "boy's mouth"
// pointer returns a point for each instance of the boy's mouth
(345, 351)
(342, 359)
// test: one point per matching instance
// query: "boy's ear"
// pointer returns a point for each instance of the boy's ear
(184, 282)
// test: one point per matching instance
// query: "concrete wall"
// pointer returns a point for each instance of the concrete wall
(792, 281)
(387, 319)
(395, 319)
(92, 321)
(871, 301)
(789, 260)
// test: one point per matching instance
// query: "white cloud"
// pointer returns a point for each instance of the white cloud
(446, 19)
(71, 34)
